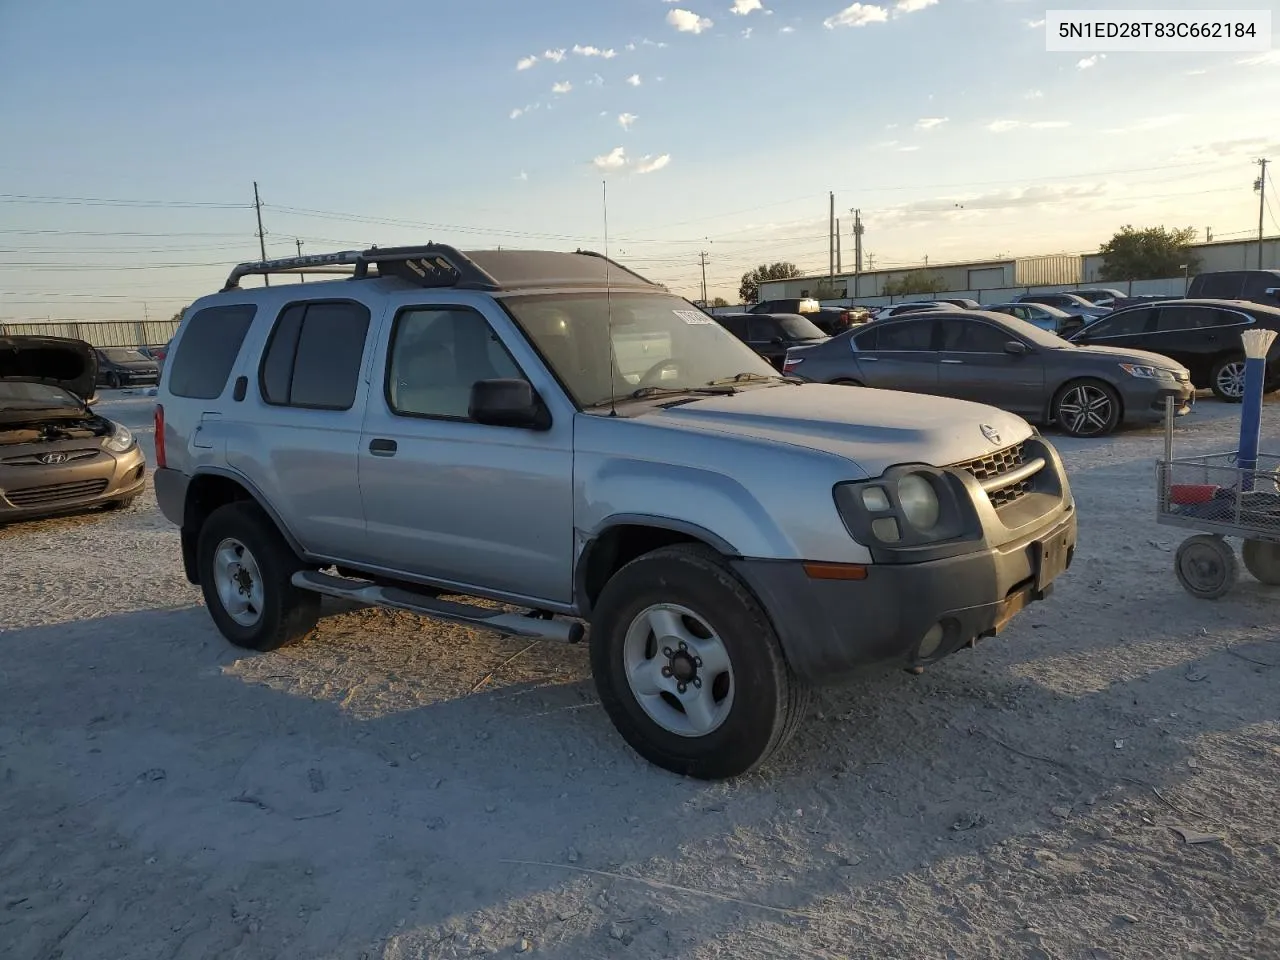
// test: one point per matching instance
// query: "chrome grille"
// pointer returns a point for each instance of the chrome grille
(55, 493)
(995, 465)
(36, 459)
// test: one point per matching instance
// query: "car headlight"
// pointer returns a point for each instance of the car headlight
(919, 502)
(909, 506)
(1145, 372)
(121, 439)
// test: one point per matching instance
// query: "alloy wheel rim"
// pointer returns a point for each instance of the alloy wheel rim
(1085, 410)
(678, 670)
(238, 582)
(1231, 379)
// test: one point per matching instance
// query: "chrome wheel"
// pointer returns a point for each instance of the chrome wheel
(678, 670)
(238, 582)
(1086, 410)
(1230, 380)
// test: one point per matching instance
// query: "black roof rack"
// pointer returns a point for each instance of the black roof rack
(440, 265)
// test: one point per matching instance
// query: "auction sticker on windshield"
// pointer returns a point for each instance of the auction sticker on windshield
(692, 316)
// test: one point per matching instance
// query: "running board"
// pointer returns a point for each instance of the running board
(500, 621)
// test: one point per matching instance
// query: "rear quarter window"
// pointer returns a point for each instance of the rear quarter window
(207, 351)
(314, 355)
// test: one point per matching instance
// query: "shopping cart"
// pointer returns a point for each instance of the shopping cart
(1216, 496)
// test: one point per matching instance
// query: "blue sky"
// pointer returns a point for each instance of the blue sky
(946, 122)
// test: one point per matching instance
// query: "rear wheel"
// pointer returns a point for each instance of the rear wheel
(245, 573)
(1226, 380)
(1086, 408)
(689, 668)
(113, 380)
(1262, 559)
(1206, 566)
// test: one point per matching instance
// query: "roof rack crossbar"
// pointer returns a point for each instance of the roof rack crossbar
(429, 265)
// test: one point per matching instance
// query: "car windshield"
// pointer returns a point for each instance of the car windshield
(659, 341)
(797, 327)
(15, 393)
(123, 355)
(1052, 310)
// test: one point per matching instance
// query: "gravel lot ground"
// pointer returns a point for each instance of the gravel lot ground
(393, 788)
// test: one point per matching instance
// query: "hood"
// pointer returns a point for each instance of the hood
(873, 428)
(58, 361)
(1125, 355)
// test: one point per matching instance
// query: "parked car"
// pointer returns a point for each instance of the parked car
(1003, 361)
(125, 367)
(1202, 335)
(915, 306)
(1257, 286)
(830, 320)
(1067, 302)
(964, 303)
(731, 537)
(1098, 296)
(56, 454)
(771, 334)
(1043, 316)
(1141, 298)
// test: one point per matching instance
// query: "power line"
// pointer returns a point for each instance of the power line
(107, 202)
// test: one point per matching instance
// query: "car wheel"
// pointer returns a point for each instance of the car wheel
(1086, 408)
(1206, 566)
(113, 381)
(1226, 380)
(688, 666)
(245, 569)
(1262, 559)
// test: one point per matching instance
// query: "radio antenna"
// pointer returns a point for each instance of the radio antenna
(608, 303)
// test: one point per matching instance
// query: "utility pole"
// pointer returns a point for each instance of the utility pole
(1208, 234)
(302, 277)
(831, 245)
(1261, 186)
(857, 249)
(262, 237)
(702, 261)
(839, 259)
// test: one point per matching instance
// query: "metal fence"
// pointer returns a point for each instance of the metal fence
(102, 333)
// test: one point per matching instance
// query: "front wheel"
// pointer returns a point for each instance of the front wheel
(688, 666)
(1262, 559)
(113, 381)
(1226, 380)
(1206, 566)
(1086, 408)
(246, 571)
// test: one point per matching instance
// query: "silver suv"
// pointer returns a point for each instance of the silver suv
(555, 433)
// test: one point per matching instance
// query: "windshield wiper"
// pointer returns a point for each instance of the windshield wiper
(711, 390)
(742, 378)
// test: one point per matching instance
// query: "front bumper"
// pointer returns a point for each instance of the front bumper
(1144, 400)
(832, 628)
(31, 491)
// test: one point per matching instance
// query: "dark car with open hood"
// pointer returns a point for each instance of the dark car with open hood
(56, 454)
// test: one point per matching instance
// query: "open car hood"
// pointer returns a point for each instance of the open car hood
(57, 361)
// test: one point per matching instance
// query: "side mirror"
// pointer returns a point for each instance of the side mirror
(1015, 347)
(507, 403)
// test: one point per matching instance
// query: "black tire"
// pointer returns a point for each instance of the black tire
(1086, 408)
(1206, 566)
(1262, 559)
(113, 381)
(285, 613)
(1226, 379)
(768, 700)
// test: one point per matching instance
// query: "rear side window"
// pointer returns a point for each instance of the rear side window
(314, 355)
(910, 335)
(762, 328)
(1217, 286)
(208, 350)
(1184, 318)
(1123, 324)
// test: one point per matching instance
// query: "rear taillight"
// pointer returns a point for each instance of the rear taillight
(790, 364)
(160, 461)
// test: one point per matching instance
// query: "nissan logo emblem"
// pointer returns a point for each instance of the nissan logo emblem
(990, 433)
(52, 458)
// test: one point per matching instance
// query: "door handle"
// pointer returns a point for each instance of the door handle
(865, 359)
(382, 448)
(951, 361)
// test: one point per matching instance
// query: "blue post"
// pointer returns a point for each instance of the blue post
(1256, 344)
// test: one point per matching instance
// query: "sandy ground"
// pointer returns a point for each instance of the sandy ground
(397, 789)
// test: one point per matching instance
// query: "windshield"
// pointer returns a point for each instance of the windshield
(798, 328)
(17, 394)
(123, 355)
(658, 340)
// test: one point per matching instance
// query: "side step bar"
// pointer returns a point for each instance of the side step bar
(483, 618)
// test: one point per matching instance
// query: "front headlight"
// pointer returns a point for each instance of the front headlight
(121, 439)
(1145, 372)
(919, 502)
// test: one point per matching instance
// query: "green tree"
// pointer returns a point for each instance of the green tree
(917, 281)
(177, 317)
(749, 292)
(1150, 254)
(826, 290)
(719, 302)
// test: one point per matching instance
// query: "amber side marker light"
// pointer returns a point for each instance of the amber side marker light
(836, 571)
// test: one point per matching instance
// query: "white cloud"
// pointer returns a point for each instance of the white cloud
(654, 43)
(787, 30)
(634, 80)
(688, 22)
(885, 144)
(590, 51)
(625, 120)
(652, 164)
(1196, 73)
(523, 177)
(1271, 56)
(743, 7)
(555, 56)
(1000, 126)
(615, 159)
(1004, 126)
(913, 6)
(524, 63)
(746, 34)
(1034, 24)
(928, 123)
(630, 47)
(1090, 62)
(563, 86)
(1033, 95)
(1049, 124)
(857, 15)
(517, 113)
(911, 149)
(596, 80)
